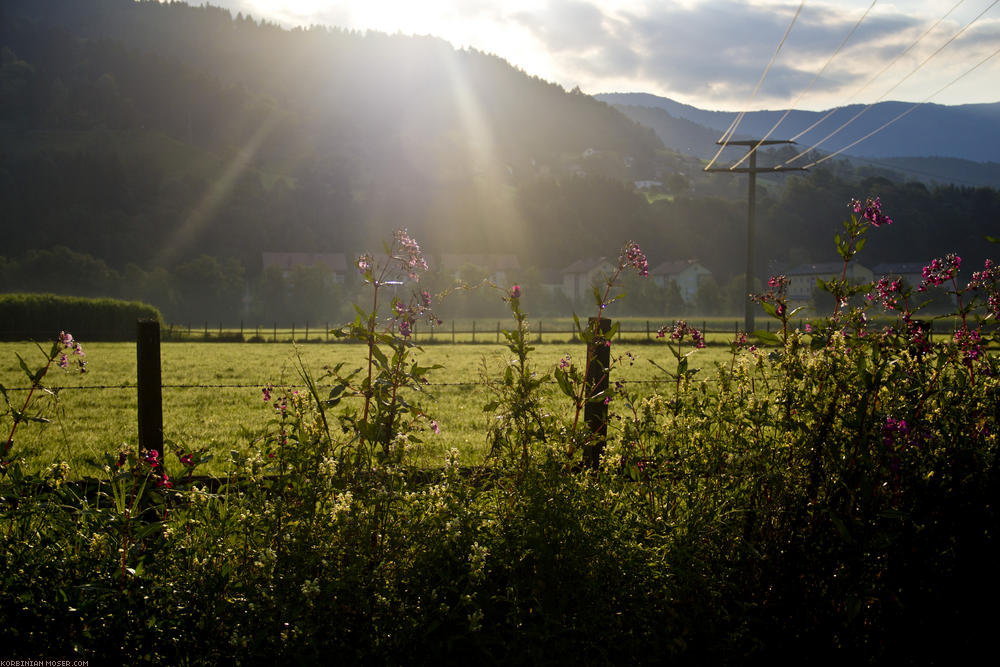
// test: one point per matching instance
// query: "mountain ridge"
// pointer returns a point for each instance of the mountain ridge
(968, 131)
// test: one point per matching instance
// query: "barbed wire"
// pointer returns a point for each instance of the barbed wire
(272, 387)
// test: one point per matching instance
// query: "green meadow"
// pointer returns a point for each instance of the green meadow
(213, 399)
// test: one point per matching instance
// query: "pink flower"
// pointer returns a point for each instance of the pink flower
(632, 256)
(435, 426)
(515, 292)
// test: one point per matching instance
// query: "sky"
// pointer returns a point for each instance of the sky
(707, 53)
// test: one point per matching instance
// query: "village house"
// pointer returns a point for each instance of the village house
(687, 274)
(579, 277)
(802, 279)
(911, 273)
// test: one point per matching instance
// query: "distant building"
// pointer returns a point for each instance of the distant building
(911, 273)
(579, 277)
(336, 263)
(802, 279)
(687, 274)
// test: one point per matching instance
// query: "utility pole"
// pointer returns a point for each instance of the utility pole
(751, 171)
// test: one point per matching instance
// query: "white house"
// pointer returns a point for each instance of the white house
(802, 278)
(911, 273)
(687, 274)
(580, 277)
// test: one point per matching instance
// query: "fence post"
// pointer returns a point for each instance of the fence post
(595, 411)
(647, 329)
(241, 330)
(498, 331)
(293, 332)
(149, 397)
(539, 331)
(327, 332)
(473, 331)
(274, 334)
(307, 331)
(453, 332)
(206, 329)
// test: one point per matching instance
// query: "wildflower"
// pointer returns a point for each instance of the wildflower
(564, 362)
(63, 361)
(939, 271)
(404, 328)
(410, 256)
(698, 338)
(364, 263)
(871, 211)
(892, 429)
(886, 292)
(969, 342)
(425, 299)
(267, 393)
(188, 460)
(515, 292)
(66, 339)
(435, 426)
(632, 256)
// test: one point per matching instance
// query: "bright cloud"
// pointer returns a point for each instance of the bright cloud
(709, 53)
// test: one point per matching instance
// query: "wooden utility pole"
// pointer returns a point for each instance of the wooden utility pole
(751, 171)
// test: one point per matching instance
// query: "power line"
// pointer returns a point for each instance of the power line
(892, 62)
(886, 93)
(724, 139)
(887, 124)
(809, 87)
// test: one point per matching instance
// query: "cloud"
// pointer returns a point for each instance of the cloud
(704, 52)
(715, 51)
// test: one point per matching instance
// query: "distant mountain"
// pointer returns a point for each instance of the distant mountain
(968, 131)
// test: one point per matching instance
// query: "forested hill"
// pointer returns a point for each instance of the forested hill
(179, 129)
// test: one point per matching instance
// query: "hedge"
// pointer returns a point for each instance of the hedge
(42, 316)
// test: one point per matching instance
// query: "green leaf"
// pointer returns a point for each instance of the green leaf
(766, 337)
(993, 239)
(769, 309)
(562, 379)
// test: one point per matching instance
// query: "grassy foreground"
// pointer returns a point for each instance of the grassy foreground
(86, 423)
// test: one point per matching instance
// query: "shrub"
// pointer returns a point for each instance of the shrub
(36, 316)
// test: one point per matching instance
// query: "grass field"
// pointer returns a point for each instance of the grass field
(212, 394)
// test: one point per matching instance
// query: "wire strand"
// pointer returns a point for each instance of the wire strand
(887, 124)
(727, 135)
(809, 87)
(886, 93)
(871, 80)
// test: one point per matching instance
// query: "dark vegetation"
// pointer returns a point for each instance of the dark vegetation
(169, 145)
(38, 315)
(830, 498)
